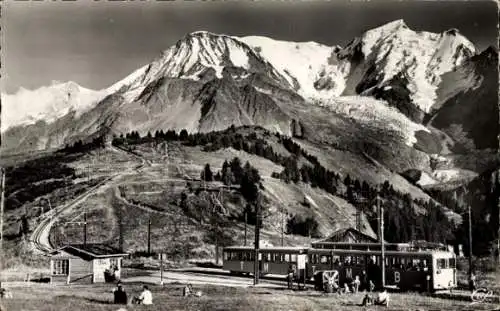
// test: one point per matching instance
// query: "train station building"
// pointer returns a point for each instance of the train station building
(89, 263)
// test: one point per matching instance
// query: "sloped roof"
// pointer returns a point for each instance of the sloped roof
(90, 251)
(347, 234)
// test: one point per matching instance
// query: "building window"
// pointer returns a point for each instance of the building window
(61, 267)
(114, 263)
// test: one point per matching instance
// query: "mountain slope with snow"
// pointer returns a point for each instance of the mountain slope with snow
(394, 50)
(311, 68)
(369, 98)
(47, 103)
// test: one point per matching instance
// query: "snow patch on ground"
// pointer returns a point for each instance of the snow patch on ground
(426, 180)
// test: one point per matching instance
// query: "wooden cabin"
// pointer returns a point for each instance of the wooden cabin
(89, 263)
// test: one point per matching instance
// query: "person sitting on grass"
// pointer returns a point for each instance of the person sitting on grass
(367, 300)
(382, 299)
(188, 290)
(146, 298)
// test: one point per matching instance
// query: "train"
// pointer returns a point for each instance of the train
(407, 268)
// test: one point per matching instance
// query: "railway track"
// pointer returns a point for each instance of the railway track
(40, 235)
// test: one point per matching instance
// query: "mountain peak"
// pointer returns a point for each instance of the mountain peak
(204, 34)
(390, 27)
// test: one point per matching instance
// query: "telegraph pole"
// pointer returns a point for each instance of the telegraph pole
(84, 228)
(161, 268)
(380, 210)
(2, 199)
(120, 229)
(470, 241)
(246, 220)
(282, 224)
(149, 236)
(257, 242)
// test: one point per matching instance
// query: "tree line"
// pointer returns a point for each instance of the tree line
(406, 218)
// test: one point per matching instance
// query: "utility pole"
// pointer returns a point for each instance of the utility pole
(161, 268)
(470, 241)
(257, 242)
(149, 236)
(120, 229)
(358, 220)
(2, 199)
(380, 210)
(282, 224)
(84, 228)
(246, 221)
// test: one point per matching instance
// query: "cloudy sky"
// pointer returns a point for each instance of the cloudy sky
(98, 43)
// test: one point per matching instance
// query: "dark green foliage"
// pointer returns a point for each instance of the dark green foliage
(183, 136)
(403, 222)
(305, 226)
(236, 170)
(36, 178)
(482, 194)
(79, 146)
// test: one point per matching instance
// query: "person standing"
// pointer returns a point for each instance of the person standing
(120, 296)
(472, 282)
(290, 277)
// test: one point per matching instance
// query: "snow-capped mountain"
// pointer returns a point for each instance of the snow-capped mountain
(199, 56)
(396, 63)
(47, 103)
(384, 95)
(312, 69)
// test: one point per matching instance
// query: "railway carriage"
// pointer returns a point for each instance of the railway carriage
(408, 247)
(425, 270)
(275, 260)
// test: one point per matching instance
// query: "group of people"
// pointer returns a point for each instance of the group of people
(189, 291)
(146, 297)
(382, 299)
(120, 296)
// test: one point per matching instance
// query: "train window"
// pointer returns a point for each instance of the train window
(324, 259)
(451, 262)
(348, 260)
(441, 263)
(226, 256)
(294, 258)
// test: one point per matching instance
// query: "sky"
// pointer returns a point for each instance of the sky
(96, 44)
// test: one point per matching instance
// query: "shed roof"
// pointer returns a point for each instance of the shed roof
(90, 251)
(348, 235)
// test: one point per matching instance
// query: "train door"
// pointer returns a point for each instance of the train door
(301, 266)
(265, 262)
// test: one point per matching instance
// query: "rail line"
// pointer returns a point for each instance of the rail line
(40, 235)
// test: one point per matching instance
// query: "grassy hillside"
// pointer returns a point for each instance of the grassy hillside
(320, 187)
